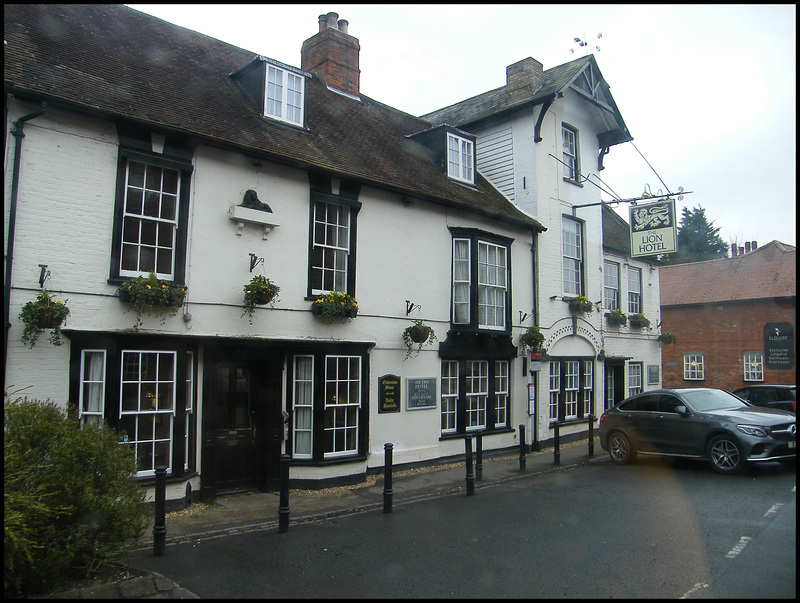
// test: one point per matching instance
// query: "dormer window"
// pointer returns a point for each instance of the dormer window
(277, 90)
(284, 95)
(460, 159)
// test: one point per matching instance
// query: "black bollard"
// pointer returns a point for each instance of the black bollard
(283, 508)
(522, 458)
(479, 457)
(159, 524)
(470, 476)
(387, 478)
(591, 435)
(556, 449)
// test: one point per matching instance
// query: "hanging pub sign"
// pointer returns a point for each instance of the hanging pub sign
(653, 228)
(779, 345)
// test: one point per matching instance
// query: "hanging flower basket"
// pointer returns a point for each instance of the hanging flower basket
(532, 338)
(149, 295)
(418, 334)
(334, 306)
(260, 291)
(617, 317)
(666, 338)
(639, 321)
(581, 304)
(45, 312)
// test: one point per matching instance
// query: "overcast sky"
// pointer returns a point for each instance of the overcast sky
(708, 92)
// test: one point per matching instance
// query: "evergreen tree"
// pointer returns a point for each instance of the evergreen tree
(698, 240)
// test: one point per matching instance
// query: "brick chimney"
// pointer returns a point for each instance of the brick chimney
(333, 54)
(523, 79)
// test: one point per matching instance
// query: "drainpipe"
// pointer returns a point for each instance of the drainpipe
(17, 132)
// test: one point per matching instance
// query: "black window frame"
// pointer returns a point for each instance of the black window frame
(114, 346)
(476, 236)
(354, 207)
(491, 399)
(320, 354)
(185, 169)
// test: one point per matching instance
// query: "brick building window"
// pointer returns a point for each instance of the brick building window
(693, 367)
(753, 363)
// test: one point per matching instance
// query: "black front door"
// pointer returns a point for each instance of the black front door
(242, 422)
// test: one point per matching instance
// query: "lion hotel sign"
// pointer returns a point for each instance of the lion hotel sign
(653, 229)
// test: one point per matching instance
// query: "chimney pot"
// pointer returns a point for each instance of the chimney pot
(333, 54)
(753, 246)
(733, 250)
(747, 247)
(741, 250)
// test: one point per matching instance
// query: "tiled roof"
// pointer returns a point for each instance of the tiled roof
(556, 80)
(616, 232)
(768, 272)
(495, 101)
(123, 64)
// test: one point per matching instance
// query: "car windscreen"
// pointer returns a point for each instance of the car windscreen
(712, 399)
(791, 393)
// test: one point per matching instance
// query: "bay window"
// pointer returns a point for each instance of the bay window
(480, 281)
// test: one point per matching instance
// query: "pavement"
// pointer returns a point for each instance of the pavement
(249, 511)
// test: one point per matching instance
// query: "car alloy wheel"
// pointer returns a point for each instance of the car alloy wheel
(725, 455)
(620, 449)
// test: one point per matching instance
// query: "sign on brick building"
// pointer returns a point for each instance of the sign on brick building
(778, 346)
(653, 228)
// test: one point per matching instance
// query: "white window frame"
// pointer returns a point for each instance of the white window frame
(572, 250)
(477, 394)
(570, 155)
(610, 285)
(284, 95)
(149, 226)
(502, 382)
(462, 287)
(189, 406)
(449, 388)
(693, 367)
(303, 401)
(340, 391)
(571, 388)
(555, 389)
(753, 363)
(492, 285)
(331, 235)
(92, 386)
(460, 159)
(163, 393)
(635, 370)
(588, 388)
(634, 290)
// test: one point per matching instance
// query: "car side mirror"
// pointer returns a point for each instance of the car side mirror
(682, 411)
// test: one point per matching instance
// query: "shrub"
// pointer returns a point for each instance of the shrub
(71, 502)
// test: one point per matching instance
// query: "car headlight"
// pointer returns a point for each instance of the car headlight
(753, 430)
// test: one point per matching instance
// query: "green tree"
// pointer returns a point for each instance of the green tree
(698, 240)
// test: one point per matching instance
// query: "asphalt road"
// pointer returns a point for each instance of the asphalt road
(601, 531)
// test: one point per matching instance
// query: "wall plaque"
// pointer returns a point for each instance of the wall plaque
(421, 393)
(388, 394)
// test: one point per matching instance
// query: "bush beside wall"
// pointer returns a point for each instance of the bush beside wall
(71, 502)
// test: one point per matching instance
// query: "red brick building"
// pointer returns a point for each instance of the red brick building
(733, 319)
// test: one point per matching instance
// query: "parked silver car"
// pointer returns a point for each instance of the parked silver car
(698, 423)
